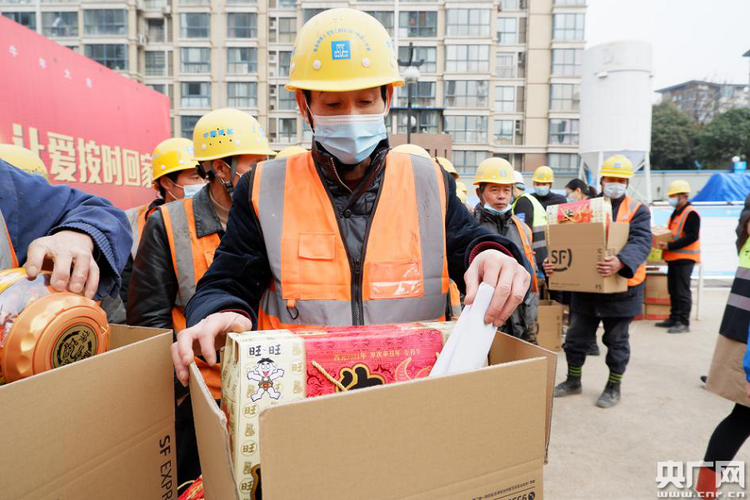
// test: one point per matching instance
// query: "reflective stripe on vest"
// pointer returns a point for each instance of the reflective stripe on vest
(137, 219)
(628, 208)
(8, 257)
(191, 258)
(526, 241)
(677, 226)
(404, 276)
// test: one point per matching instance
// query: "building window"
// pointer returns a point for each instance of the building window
(567, 62)
(308, 14)
(504, 131)
(242, 94)
(467, 22)
(155, 30)
(279, 62)
(563, 131)
(427, 54)
(417, 24)
(242, 60)
(505, 65)
(195, 60)
(467, 58)
(27, 19)
(507, 30)
(565, 3)
(466, 162)
(466, 93)
(568, 27)
(110, 55)
(60, 24)
(385, 17)
(565, 97)
(422, 121)
(163, 88)
(195, 95)
(282, 130)
(422, 95)
(156, 63)
(280, 99)
(562, 162)
(466, 128)
(187, 124)
(195, 25)
(513, 5)
(505, 99)
(282, 4)
(282, 29)
(242, 25)
(105, 22)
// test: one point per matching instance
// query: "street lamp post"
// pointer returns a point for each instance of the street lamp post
(411, 76)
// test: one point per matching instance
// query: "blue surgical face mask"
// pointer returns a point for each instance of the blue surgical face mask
(614, 190)
(350, 138)
(495, 211)
(673, 201)
(192, 189)
(541, 190)
(569, 199)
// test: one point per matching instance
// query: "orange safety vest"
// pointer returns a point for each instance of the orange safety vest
(404, 275)
(8, 257)
(137, 217)
(677, 226)
(526, 241)
(454, 300)
(628, 208)
(191, 258)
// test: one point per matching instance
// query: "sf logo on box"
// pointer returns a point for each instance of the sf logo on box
(561, 259)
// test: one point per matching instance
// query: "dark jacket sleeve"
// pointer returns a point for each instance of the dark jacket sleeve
(240, 272)
(33, 208)
(524, 210)
(692, 232)
(465, 237)
(636, 250)
(152, 290)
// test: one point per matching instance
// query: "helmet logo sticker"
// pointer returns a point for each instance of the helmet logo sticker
(340, 50)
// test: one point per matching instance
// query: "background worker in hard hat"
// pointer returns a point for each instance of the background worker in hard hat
(82, 238)
(681, 254)
(179, 242)
(447, 166)
(615, 310)
(496, 184)
(345, 252)
(543, 179)
(527, 208)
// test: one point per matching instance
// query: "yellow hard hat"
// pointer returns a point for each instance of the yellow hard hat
(412, 149)
(291, 151)
(229, 132)
(678, 187)
(495, 171)
(447, 165)
(543, 174)
(617, 166)
(173, 155)
(340, 50)
(23, 159)
(461, 191)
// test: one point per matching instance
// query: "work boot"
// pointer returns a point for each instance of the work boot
(593, 349)
(610, 396)
(679, 328)
(667, 323)
(569, 387)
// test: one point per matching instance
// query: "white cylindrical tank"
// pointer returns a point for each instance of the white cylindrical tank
(616, 101)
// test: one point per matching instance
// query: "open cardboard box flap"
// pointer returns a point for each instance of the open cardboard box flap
(89, 429)
(440, 437)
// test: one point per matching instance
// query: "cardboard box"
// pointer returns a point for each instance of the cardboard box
(102, 427)
(660, 234)
(657, 312)
(574, 250)
(468, 435)
(656, 291)
(550, 320)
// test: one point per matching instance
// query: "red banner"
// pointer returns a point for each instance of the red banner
(94, 128)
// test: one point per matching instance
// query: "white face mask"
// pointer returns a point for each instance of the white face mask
(191, 190)
(614, 190)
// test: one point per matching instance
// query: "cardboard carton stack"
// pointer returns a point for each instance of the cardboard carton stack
(656, 297)
(550, 321)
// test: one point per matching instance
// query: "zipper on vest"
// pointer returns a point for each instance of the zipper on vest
(358, 275)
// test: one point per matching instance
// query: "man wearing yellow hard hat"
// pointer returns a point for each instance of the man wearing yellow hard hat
(681, 254)
(358, 219)
(496, 187)
(447, 166)
(543, 179)
(179, 242)
(615, 310)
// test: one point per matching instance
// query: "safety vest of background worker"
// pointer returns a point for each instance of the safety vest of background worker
(543, 179)
(677, 227)
(527, 208)
(169, 160)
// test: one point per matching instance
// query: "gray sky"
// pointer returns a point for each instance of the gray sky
(691, 39)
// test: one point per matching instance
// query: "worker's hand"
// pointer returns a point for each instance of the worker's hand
(70, 254)
(663, 245)
(509, 278)
(202, 339)
(609, 266)
(548, 267)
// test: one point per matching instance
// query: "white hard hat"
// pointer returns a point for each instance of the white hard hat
(519, 180)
